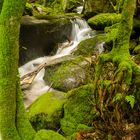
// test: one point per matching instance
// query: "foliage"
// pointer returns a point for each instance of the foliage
(117, 97)
(131, 100)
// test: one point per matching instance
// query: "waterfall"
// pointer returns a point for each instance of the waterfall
(79, 9)
(80, 31)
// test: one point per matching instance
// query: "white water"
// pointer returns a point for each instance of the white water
(80, 31)
(79, 9)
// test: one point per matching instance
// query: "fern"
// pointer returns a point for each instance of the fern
(131, 100)
(117, 97)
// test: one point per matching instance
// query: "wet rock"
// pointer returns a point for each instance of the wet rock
(90, 46)
(39, 37)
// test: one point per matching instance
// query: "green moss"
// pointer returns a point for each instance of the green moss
(86, 47)
(28, 6)
(56, 5)
(101, 21)
(111, 32)
(46, 111)
(83, 127)
(36, 9)
(48, 135)
(70, 4)
(69, 74)
(79, 109)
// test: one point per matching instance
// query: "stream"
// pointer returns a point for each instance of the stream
(80, 31)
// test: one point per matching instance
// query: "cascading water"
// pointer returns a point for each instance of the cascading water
(79, 9)
(80, 31)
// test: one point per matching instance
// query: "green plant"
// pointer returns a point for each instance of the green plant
(131, 100)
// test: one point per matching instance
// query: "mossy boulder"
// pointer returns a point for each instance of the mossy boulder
(56, 6)
(35, 9)
(69, 74)
(92, 8)
(46, 111)
(100, 21)
(79, 109)
(48, 135)
(89, 46)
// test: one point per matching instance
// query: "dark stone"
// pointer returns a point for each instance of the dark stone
(39, 37)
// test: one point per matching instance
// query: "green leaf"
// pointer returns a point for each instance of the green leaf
(130, 99)
(117, 97)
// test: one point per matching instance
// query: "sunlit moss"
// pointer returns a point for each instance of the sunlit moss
(79, 109)
(46, 111)
(103, 20)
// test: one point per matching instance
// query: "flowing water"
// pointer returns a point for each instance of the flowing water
(79, 9)
(80, 31)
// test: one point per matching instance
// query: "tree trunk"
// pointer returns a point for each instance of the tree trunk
(13, 121)
(120, 52)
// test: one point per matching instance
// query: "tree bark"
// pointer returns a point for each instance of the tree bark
(13, 121)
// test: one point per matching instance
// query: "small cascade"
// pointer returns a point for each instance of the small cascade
(80, 31)
(79, 9)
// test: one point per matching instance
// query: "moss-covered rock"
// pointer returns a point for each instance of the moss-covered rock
(48, 135)
(100, 21)
(92, 8)
(68, 74)
(79, 109)
(46, 111)
(87, 47)
(35, 9)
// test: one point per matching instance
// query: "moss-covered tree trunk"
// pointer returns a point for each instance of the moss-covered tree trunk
(120, 52)
(13, 121)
